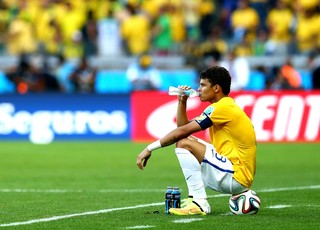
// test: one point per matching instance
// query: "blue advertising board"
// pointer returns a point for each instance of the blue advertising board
(42, 118)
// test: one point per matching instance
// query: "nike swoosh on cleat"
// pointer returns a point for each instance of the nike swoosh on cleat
(192, 213)
(189, 177)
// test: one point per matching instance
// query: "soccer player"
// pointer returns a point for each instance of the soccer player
(228, 164)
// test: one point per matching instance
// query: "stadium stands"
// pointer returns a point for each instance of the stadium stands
(256, 81)
(112, 82)
(306, 79)
(115, 81)
(5, 85)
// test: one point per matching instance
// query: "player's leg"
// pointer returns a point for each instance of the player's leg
(195, 145)
(190, 153)
(217, 173)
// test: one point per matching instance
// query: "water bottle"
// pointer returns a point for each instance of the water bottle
(168, 199)
(177, 91)
(176, 197)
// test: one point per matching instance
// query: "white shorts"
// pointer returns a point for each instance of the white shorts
(217, 172)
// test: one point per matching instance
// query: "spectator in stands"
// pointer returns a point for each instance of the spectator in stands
(4, 22)
(314, 67)
(206, 16)
(20, 37)
(259, 46)
(63, 71)
(291, 75)
(89, 33)
(306, 4)
(192, 19)
(162, 39)
(71, 32)
(143, 75)
(261, 7)
(308, 30)
(83, 77)
(108, 37)
(209, 52)
(47, 30)
(227, 7)
(31, 75)
(213, 45)
(135, 31)
(316, 78)
(244, 48)
(239, 70)
(296, 21)
(244, 21)
(278, 81)
(279, 23)
(178, 29)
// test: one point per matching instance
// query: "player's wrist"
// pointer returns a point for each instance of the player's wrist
(154, 145)
(182, 101)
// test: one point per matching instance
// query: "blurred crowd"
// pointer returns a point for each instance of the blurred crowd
(196, 29)
(162, 27)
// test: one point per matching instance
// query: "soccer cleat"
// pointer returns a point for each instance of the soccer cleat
(186, 201)
(191, 209)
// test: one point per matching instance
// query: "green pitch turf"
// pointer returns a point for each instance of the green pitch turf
(96, 185)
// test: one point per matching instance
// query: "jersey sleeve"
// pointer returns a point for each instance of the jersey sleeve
(204, 119)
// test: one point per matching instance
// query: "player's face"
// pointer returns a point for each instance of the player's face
(206, 92)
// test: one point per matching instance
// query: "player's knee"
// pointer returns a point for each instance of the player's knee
(183, 143)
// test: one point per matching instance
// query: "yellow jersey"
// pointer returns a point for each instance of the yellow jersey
(233, 136)
(135, 31)
(279, 22)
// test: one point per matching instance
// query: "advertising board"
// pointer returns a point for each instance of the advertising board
(281, 116)
(41, 118)
(277, 116)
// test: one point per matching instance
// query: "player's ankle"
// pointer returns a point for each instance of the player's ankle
(203, 204)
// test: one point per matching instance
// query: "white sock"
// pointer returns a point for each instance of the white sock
(192, 173)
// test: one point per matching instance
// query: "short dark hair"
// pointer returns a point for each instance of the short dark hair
(218, 75)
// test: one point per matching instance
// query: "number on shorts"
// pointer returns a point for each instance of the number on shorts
(221, 158)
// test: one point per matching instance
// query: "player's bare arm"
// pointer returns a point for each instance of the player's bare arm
(169, 139)
(182, 117)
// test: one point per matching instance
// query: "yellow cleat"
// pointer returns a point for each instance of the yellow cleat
(186, 201)
(191, 209)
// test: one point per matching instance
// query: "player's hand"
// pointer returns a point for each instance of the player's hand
(143, 158)
(183, 98)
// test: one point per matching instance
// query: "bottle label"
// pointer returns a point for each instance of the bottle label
(176, 196)
(168, 200)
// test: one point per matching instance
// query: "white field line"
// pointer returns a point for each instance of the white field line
(78, 214)
(53, 218)
(280, 206)
(290, 188)
(188, 220)
(140, 227)
(5, 190)
(289, 205)
(277, 190)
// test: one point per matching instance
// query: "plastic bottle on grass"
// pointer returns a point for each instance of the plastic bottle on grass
(176, 197)
(168, 199)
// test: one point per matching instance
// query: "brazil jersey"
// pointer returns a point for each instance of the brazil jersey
(233, 136)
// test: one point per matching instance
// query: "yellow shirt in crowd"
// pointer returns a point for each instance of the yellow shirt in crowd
(279, 22)
(136, 32)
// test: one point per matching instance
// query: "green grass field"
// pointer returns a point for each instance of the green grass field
(96, 185)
